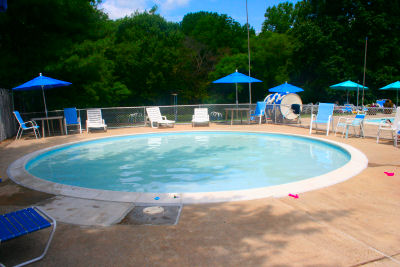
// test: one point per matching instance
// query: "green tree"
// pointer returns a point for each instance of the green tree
(148, 58)
(330, 39)
(279, 18)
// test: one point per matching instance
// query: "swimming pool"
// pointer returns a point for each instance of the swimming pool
(190, 164)
(378, 120)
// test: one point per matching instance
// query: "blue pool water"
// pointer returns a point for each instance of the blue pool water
(378, 120)
(188, 162)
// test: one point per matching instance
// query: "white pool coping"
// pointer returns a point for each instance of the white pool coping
(358, 162)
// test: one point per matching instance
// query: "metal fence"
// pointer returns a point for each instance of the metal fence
(8, 126)
(121, 117)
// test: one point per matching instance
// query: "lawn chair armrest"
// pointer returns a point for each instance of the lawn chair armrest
(384, 124)
(346, 120)
(31, 122)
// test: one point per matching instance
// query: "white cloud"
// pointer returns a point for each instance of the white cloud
(121, 8)
(171, 4)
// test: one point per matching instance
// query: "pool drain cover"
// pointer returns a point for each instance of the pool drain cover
(153, 215)
(153, 210)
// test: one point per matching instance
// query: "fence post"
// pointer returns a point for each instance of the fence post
(144, 117)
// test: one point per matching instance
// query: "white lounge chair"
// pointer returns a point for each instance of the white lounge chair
(392, 127)
(95, 120)
(200, 116)
(154, 115)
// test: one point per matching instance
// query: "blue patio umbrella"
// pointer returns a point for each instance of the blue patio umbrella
(43, 83)
(285, 88)
(348, 86)
(3, 5)
(236, 78)
(393, 86)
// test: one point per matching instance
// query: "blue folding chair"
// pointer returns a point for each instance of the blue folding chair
(23, 126)
(258, 112)
(23, 222)
(324, 116)
(71, 119)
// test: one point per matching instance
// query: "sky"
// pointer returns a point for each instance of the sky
(175, 10)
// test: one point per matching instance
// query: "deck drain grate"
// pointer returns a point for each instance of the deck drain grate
(153, 215)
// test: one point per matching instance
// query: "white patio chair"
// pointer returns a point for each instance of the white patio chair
(391, 127)
(95, 120)
(200, 117)
(154, 116)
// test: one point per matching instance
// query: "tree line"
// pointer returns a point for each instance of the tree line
(142, 59)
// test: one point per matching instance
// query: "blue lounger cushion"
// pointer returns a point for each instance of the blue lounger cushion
(21, 222)
(25, 221)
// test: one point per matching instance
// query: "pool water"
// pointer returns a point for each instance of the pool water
(379, 120)
(188, 162)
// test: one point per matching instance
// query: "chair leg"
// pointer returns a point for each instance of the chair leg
(377, 136)
(54, 223)
(19, 129)
(393, 135)
(327, 129)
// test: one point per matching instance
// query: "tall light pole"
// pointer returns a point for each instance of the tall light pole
(365, 66)
(248, 49)
(175, 96)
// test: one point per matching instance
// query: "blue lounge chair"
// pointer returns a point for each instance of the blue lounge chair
(348, 108)
(324, 116)
(346, 123)
(71, 119)
(23, 126)
(258, 112)
(26, 221)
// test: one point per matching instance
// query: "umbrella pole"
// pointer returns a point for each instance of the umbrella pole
(44, 101)
(45, 108)
(357, 95)
(250, 94)
(397, 97)
(237, 102)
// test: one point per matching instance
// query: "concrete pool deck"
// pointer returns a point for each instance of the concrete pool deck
(353, 223)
